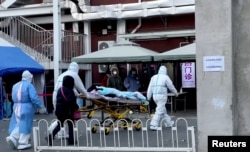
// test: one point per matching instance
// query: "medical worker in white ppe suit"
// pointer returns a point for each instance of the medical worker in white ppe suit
(79, 88)
(73, 70)
(158, 88)
(25, 100)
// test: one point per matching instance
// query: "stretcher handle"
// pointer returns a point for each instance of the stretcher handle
(82, 96)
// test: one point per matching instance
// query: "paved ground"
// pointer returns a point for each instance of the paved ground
(190, 115)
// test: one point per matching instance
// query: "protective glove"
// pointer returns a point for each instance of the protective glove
(43, 110)
(145, 102)
(176, 95)
(88, 95)
(148, 98)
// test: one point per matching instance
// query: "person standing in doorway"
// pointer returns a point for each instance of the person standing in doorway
(114, 80)
(25, 100)
(158, 89)
(132, 81)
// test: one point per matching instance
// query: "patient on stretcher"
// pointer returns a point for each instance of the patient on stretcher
(113, 93)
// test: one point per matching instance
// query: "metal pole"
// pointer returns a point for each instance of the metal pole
(57, 37)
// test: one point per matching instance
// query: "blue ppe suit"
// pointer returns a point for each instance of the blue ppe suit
(25, 99)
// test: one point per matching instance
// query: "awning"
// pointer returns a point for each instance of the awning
(119, 53)
(187, 52)
(13, 60)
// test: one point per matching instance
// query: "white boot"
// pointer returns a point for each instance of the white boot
(153, 128)
(12, 142)
(171, 124)
(62, 133)
(23, 146)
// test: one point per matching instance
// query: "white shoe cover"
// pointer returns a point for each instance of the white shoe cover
(169, 125)
(26, 146)
(12, 142)
(172, 124)
(153, 128)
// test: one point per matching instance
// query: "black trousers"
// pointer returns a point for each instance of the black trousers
(60, 124)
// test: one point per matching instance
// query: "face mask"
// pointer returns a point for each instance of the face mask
(115, 72)
(133, 72)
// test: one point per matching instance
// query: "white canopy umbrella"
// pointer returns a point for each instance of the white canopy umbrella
(187, 52)
(123, 52)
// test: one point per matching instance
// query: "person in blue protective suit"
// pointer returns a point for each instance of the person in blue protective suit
(158, 89)
(132, 82)
(79, 88)
(25, 99)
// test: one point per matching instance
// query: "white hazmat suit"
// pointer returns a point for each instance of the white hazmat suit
(73, 70)
(158, 88)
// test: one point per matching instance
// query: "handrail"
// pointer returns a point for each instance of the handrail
(40, 40)
(30, 24)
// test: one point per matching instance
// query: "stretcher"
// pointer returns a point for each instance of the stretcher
(117, 109)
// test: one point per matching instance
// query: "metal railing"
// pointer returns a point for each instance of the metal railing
(72, 45)
(37, 41)
(123, 135)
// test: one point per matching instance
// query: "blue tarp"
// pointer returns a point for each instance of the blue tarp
(14, 60)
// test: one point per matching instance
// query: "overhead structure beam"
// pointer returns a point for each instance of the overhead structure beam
(27, 11)
(49, 19)
(114, 11)
(158, 35)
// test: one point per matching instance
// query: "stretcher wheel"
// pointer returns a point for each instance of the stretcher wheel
(94, 129)
(107, 131)
(90, 115)
(137, 126)
(125, 126)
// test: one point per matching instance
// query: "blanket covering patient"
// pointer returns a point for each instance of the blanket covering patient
(121, 94)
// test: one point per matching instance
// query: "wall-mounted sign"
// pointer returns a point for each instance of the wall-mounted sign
(213, 63)
(188, 75)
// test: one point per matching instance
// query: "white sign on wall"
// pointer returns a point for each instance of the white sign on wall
(213, 63)
(188, 75)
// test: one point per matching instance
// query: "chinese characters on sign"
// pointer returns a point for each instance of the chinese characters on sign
(188, 75)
